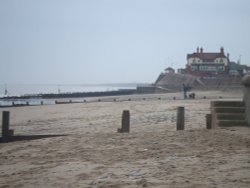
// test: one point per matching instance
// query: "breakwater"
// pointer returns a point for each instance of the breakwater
(26, 100)
(74, 95)
(90, 94)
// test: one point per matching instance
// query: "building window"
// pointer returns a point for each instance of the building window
(221, 60)
(221, 68)
(203, 68)
(194, 68)
(208, 68)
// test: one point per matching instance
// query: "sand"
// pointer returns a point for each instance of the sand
(153, 154)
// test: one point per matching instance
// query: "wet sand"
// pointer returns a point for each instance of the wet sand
(153, 154)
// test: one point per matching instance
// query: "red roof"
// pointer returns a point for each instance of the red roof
(206, 56)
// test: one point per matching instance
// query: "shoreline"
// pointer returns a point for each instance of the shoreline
(200, 94)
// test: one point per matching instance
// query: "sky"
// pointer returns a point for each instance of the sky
(114, 41)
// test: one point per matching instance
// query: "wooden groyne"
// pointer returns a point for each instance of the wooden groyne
(74, 95)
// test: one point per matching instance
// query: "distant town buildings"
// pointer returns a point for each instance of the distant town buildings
(210, 64)
(210, 70)
(204, 70)
(202, 63)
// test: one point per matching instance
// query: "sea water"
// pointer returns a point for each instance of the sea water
(33, 89)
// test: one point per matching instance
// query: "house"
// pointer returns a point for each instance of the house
(207, 64)
(169, 70)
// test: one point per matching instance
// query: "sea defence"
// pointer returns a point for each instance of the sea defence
(246, 98)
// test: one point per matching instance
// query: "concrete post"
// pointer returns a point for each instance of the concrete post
(180, 118)
(5, 126)
(125, 122)
(213, 115)
(246, 82)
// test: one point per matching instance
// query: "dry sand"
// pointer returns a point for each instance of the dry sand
(153, 154)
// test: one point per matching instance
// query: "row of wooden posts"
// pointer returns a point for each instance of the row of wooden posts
(180, 120)
(7, 133)
(84, 101)
(26, 104)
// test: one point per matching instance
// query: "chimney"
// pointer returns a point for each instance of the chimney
(228, 56)
(201, 50)
(222, 50)
(197, 49)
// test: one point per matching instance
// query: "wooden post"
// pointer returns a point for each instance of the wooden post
(180, 118)
(125, 122)
(5, 126)
(209, 121)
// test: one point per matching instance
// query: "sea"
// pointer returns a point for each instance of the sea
(36, 89)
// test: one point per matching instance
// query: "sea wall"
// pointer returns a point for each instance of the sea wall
(246, 99)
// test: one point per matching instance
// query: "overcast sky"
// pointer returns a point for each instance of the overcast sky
(114, 41)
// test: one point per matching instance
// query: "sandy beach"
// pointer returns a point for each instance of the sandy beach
(92, 153)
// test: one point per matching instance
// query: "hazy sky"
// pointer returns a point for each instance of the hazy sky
(113, 41)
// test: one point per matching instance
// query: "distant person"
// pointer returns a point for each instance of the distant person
(185, 90)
